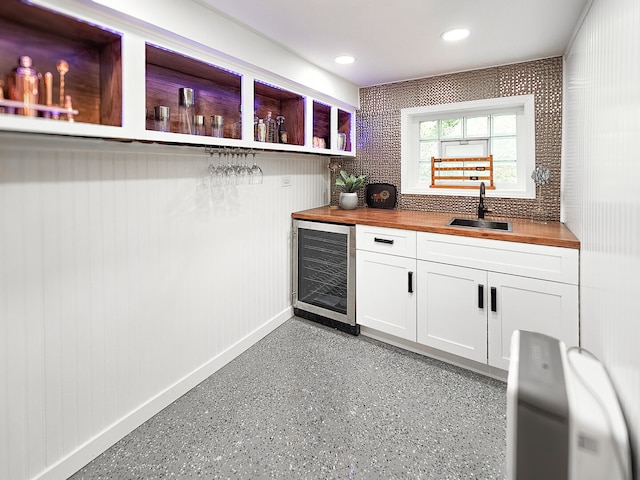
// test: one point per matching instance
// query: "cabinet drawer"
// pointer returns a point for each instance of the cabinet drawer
(536, 261)
(386, 240)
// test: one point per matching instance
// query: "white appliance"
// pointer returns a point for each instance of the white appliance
(564, 420)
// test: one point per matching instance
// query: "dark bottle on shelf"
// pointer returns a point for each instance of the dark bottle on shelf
(282, 130)
(272, 128)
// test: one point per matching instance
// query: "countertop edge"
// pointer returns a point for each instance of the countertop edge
(554, 234)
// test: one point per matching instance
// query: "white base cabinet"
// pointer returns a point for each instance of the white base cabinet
(450, 317)
(463, 295)
(385, 296)
(385, 280)
(473, 293)
(523, 303)
(473, 313)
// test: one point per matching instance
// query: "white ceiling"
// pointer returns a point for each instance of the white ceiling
(395, 41)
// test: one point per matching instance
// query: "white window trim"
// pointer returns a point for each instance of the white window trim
(410, 128)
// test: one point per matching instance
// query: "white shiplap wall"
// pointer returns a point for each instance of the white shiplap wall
(601, 192)
(122, 285)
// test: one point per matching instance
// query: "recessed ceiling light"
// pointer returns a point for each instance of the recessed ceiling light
(455, 34)
(345, 59)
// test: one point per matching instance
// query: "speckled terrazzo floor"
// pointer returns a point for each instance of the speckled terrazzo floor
(310, 402)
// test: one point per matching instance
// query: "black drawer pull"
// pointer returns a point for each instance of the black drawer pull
(494, 300)
(383, 240)
(410, 282)
(480, 296)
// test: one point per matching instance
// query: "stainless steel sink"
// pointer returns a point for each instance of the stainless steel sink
(480, 223)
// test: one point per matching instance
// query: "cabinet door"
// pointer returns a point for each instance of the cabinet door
(452, 309)
(529, 304)
(384, 293)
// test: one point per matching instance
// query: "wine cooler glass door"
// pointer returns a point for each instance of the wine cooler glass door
(324, 263)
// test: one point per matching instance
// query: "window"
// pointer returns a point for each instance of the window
(502, 127)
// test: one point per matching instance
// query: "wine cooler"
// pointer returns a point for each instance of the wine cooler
(324, 273)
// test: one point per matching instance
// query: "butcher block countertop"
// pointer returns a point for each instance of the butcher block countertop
(554, 234)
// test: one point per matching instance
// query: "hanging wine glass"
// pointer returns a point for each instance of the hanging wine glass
(256, 171)
(230, 172)
(206, 183)
(219, 170)
(211, 172)
(207, 174)
(244, 171)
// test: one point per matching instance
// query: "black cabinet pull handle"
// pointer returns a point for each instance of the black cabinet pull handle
(480, 296)
(383, 240)
(494, 301)
(410, 282)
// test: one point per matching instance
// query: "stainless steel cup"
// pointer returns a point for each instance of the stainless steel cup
(198, 125)
(217, 126)
(161, 117)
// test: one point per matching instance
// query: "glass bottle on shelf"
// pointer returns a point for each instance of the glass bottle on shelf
(255, 126)
(271, 128)
(186, 104)
(282, 130)
(236, 127)
(23, 86)
(262, 131)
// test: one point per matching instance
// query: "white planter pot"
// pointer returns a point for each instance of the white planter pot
(348, 201)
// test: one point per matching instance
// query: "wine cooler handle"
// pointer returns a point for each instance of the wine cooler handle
(383, 240)
(410, 282)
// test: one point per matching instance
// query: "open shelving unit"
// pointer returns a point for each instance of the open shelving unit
(321, 125)
(278, 101)
(94, 79)
(217, 91)
(110, 105)
(345, 120)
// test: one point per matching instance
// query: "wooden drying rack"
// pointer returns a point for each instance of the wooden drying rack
(482, 165)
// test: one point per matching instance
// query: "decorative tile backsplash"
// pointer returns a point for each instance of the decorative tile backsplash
(378, 129)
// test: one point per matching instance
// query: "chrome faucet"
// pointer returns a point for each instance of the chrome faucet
(481, 208)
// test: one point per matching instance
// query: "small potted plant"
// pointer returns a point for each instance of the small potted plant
(350, 184)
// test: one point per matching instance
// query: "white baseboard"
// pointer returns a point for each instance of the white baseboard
(77, 459)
